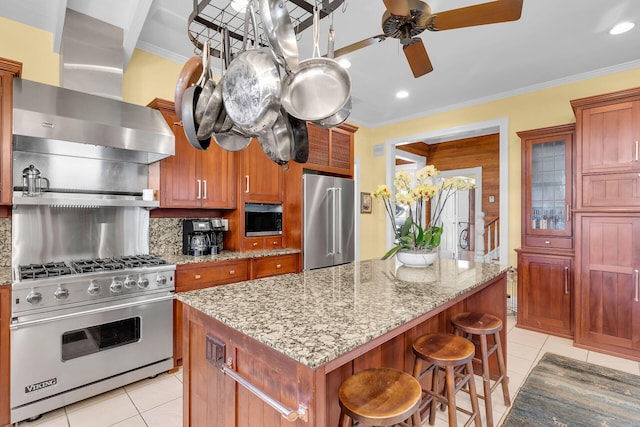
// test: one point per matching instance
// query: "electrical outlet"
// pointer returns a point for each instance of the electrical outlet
(225, 224)
(216, 351)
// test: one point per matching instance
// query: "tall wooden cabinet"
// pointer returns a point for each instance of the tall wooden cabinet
(8, 70)
(608, 223)
(545, 260)
(194, 179)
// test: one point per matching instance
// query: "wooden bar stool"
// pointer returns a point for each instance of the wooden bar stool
(448, 352)
(380, 397)
(481, 325)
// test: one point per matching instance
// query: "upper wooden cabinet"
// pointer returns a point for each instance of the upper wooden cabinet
(262, 179)
(194, 178)
(331, 150)
(8, 70)
(547, 192)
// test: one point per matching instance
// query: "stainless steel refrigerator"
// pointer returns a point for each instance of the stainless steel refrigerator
(329, 215)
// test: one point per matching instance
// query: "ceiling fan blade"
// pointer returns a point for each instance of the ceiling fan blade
(480, 14)
(397, 7)
(417, 57)
(359, 45)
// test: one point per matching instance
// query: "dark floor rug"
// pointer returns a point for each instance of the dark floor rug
(563, 392)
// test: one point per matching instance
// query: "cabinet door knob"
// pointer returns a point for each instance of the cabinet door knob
(275, 242)
(197, 277)
(278, 265)
(232, 272)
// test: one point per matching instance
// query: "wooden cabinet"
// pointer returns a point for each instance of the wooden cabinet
(197, 276)
(194, 178)
(545, 260)
(274, 265)
(262, 179)
(8, 70)
(262, 243)
(609, 313)
(545, 292)
(331, 150)
(5, 317)
(608, 223)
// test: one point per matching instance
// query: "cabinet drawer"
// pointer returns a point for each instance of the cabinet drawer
(275, 265)
(549, 242)
(188, 279)
(611, 190)
(262, 243)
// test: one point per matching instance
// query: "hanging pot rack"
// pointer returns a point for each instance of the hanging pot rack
(208, 16)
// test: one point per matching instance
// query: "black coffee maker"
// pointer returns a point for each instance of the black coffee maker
(196, 237)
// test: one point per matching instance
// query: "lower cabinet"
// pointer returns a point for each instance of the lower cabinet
(5, 316)
(262, 243)
(608, 314)
(545, 291)
(190, 277)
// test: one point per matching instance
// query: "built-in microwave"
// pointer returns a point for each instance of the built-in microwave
(262, 219)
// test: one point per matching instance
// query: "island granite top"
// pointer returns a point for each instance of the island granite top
(316, 316)
(225, 256)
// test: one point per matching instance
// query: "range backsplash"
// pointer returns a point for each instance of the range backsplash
(5, 242)
(165, 236)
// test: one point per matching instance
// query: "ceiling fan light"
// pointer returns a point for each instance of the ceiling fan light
(345, 63)
(621, 27)
(239, 5)
(402, 94)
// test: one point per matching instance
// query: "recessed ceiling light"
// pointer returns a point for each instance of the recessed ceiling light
(402, 94)
(622, 27)
(345, 63)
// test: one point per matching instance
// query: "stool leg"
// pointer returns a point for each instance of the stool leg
(473, 395)
(450, 383)
(415, 418)
(503, 371)
(435, 387)
(486, 379)
(345, 421)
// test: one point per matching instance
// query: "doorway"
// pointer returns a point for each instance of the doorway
(497, 126)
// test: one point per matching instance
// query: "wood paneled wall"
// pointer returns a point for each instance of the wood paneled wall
(465, 153)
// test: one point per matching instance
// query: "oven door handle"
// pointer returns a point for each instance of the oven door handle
(16, 324)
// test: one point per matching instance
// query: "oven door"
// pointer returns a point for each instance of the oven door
(62, 350)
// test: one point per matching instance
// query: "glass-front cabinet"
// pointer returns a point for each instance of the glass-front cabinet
(547, 186)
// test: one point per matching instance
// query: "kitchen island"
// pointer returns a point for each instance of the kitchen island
(296, 337)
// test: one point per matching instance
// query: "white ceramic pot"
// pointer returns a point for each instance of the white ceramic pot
(417, 259)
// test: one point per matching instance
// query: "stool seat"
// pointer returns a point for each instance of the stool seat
(380, 396)
(477, 323)
(444, 349)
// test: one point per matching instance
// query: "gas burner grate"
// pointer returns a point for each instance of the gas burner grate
(135, 261)
(39, 271)
(95, 265)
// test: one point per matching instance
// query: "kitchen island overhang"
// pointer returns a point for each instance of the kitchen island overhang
(296, 337)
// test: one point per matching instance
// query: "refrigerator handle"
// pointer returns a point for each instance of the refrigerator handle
(331, 214)
(338, 236)
(333, 228)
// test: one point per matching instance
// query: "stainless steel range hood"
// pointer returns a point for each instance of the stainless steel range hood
(53, 120)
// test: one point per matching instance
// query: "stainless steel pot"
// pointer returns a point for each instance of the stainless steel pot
(252, 86)
(279, 30)
(319, 88)
(189, 104)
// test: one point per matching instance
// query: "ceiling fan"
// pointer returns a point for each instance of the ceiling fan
(406, 19)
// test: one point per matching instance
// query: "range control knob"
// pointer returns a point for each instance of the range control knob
(129, 282)
(116, 286)
(61, 294)
(161, 280)
(34, 297)
(94, 288)
(143, 283)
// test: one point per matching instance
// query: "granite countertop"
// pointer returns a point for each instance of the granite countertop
(316, 316)
(225, 256)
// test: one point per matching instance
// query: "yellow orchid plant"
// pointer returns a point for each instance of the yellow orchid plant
(412, 235)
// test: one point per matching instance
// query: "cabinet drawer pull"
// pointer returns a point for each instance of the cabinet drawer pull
(278, 265)
(197, 277)
(566, 280)
(275, 242)
(254, 244)
(232, 272)
(635, 298)
(547, 242)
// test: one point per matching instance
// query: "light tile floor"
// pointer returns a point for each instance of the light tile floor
(157, 402)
